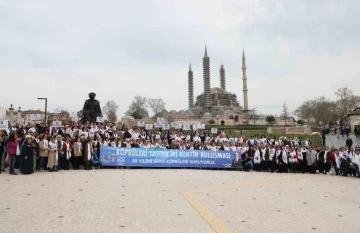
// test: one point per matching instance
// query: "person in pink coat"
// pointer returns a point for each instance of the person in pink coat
(11, 146)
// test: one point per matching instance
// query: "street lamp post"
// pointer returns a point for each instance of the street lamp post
(45, 108)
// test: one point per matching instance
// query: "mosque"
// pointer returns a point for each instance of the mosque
(215, 103)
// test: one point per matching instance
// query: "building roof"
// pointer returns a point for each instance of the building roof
(128, 117)
(355, 112)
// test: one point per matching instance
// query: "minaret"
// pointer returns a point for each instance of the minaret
(245, 90)
(222, 77)
(206, 77)
(190, 88)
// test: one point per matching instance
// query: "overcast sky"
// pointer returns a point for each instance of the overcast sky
(295, 50)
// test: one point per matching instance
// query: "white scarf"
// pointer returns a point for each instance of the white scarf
(89, 151)
(45, 143)
(54, 146)
(68, 151)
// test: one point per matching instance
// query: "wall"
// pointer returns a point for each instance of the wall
(289, 130)
(354, 120)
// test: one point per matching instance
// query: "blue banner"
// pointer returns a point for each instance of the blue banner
(144, 157)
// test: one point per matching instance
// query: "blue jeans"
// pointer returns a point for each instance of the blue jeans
(42, 162)
(357, 169)
(12, 163)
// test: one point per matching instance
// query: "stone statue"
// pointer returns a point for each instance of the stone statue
(91, 109)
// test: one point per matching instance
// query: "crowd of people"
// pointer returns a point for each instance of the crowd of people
(45, 148)
(341, 132)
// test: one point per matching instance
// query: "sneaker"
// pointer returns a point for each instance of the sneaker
(13, 173)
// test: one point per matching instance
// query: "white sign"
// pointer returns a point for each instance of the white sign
(173, 124)
(86, 134)
(201, 126)
(165, 126)
(72, 114)
(186, 127)
(132, 132)
(56, 124)
(214, 130)
(157, 125)
(4, 124)
(140, 124)
(57, 110)
(35, 117)
(178, 126)
(160, 120)
(195, 127)
(100, 119)
(148, 126)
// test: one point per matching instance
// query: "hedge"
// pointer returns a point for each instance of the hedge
(236, 127)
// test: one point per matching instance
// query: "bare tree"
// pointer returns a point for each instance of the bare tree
(138, 108)
(157, 106)
(346, 100)
(285, 112)
(318, 110)
(110, 110)
(253, 115)
(306, 111)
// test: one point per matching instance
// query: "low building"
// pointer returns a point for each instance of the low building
(352, 120)
(261, 120)
(32, 116)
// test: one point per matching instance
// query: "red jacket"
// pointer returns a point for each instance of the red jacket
(331, 157)
(11, 147)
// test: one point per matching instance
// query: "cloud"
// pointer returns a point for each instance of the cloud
(295, 50)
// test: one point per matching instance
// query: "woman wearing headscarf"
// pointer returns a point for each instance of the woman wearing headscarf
(52, 159)
(43, 151)
(26, 156)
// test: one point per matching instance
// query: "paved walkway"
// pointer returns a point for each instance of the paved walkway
(332, 140)
(177, 200)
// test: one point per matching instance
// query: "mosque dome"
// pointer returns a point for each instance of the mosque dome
(217, 90)
(207, 115)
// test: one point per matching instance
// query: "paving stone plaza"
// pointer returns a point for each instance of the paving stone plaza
(178, 200)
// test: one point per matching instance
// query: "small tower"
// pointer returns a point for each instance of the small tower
(11, 114)
(190, 87)
(222, 77)
(245, 89)
(206, 78)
